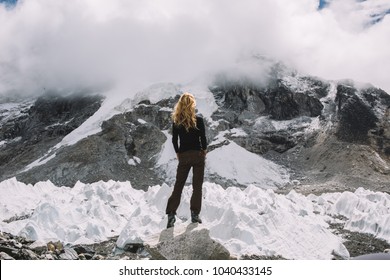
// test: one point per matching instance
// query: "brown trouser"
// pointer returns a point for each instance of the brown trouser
(188, 159)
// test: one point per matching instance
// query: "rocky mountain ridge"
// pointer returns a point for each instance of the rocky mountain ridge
(28, 129)
(324, 132)
(348, 145)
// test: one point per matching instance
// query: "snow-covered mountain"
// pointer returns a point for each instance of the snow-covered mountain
(285, 149)
(292, 127)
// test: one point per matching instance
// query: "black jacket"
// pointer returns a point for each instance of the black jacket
(194, 139)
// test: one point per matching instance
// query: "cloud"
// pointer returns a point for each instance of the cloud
(97, 43)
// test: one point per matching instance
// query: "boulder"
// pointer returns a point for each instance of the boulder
(5, 256)
(193, 244)
(27, 254)
(69, 254)
(375, 256)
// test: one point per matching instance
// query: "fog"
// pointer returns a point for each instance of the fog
(68, 45)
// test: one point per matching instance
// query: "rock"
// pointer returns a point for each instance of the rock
(39, 247)
(133, 248)
(376, 256)
(257, 257)
(242, 105)
(56, 247)
(5, 256)
(16, 244)
(364, 117)
(69, 254)
(27, 254)
(49, 257)
(249, 101)
(98, 257)
(356, 118)
(380, 136)
(11, 251)
(285, 104)
(193, 244)
(105, 155)
(83, 249)
(39, 126)
(51, 247)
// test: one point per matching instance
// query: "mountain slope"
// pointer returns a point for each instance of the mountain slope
(293, 130)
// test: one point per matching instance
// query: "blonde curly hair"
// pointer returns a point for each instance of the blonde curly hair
(184, 111)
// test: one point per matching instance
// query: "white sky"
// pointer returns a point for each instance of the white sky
(70, 44)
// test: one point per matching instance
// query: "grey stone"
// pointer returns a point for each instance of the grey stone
(98, 257)
(69, 254)
(8, 249)
(193, 244)
(49, 257)
(5, 256)
(376, 256)
(27, 254)
(39, 247)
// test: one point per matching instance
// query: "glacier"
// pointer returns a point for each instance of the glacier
(246, 221)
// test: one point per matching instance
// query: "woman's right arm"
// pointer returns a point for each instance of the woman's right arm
(175, 138)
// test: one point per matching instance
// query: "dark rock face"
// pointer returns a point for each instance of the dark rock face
(278, 101)
(284, 104)
(379, 136)
(355, 125)
(36, 129)
(134, 136)
(243, 103)
(363, 117)
(51, 116)
(356, 118)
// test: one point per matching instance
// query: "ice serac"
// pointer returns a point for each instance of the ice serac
(192, 244)
(252, 221)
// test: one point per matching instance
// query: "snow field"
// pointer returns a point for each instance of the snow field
(250, 221)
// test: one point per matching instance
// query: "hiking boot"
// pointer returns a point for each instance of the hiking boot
(171, 220)
(195, 218)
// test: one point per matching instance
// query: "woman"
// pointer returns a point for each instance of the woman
(191, 153)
